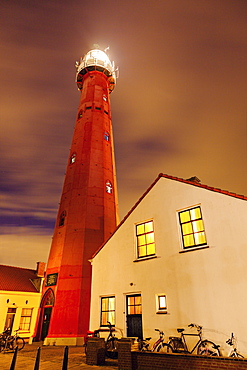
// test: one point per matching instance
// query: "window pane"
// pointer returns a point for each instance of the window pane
(148, 226)
(138, 310)
(140, 229)
(111, 317)
(150, 249)
(162, 302)
(197, 226)
(104, 318)
(138, 299)
(141, 240)
(104, 304)
(200, 238)
(187, 228)
(195, 213)
(111, 303)
(142, 251)
(184, 216)
(189, 240)
(150, 238)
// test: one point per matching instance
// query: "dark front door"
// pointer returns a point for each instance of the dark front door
(10, 319)
(134, 316)
(46, 322)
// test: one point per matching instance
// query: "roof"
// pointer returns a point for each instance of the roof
(17, 279)
(192, 181)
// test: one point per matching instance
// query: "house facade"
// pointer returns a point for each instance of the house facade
(178, 257)
(20, 293)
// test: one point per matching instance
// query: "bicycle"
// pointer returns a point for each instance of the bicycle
(10, 342)
(111, 344)
(159, 346)
(204, 347)
(233, 352)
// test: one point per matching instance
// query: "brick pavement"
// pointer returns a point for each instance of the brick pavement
(51, 359)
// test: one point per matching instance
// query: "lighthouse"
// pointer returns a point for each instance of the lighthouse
(88, 209)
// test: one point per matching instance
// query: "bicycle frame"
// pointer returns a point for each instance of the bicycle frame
(183, 335)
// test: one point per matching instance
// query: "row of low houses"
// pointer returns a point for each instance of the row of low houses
(178, 257)
(20, 292)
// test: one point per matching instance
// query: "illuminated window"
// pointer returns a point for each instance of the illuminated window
(79, 114)
(62, 218)
(134, 304)
(145, 239)
(25, 321)
(73, 158)
(104, 97)
(161, 303)
(108, 187)
(107, 311)
(106, 136)
(192, 227)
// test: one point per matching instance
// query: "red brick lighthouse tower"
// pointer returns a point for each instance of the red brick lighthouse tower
(88, 212)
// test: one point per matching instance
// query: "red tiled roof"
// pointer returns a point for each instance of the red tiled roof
(189, 181)
(17, 279)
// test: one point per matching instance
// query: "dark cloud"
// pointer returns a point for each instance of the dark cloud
(179, 106)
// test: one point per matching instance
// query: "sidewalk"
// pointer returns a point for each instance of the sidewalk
(51, 359)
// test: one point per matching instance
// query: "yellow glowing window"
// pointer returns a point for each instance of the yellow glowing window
(25, 321)
(107, 311)
(192, 227)
(134, 304)
(145, 239)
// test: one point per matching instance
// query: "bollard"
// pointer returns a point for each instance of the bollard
(65, 358)
(36, 366)
(12, 366)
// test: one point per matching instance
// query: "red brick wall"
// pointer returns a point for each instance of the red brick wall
(137, 360)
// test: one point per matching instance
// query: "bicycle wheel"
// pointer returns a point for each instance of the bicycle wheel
(18, 342)
(208, 348)
(236, 355)
(111, 348)
(164, 348)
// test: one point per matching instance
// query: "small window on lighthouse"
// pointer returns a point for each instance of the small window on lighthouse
(108, 187)
(104, 97)
(62, 218)
(80, 114)
(73, 158)
(106, 136)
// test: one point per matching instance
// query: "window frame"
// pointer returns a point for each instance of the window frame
(147, 255)
(160, 309)
(109, 311)
(25, 316)
(193, 233)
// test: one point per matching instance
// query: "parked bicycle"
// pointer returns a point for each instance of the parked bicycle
(159, 346)
(10, 342)
(233, 343)
(204, 347)
(111, 344)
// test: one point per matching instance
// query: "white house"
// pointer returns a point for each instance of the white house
(20, 293)
(178, 257)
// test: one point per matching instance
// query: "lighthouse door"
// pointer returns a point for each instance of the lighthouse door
(134, 316)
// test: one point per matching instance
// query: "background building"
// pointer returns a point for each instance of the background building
(178, 257)
(20, 292)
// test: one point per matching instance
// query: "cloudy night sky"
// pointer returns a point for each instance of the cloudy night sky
(179, 106)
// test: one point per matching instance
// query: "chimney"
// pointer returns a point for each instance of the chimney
(40, 271)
